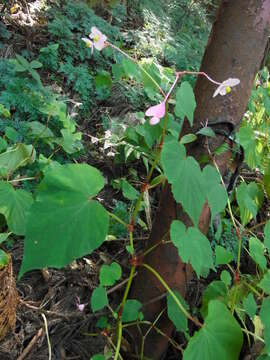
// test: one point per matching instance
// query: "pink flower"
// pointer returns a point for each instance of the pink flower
(157, 112)
(78, 304)
(225, 87)
(98, 40)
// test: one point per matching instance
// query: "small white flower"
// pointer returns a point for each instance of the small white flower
(98, 40)
(78, 304)
(225, 87)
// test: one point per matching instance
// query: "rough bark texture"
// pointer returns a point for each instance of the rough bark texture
(235, 49)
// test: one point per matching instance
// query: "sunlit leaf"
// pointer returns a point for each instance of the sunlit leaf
(16, 156)
(3, 237)
(186, 139)
(206, 131)
(249, 198)
(4, 258)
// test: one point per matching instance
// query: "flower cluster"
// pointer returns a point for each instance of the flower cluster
(157, 112)
(98, 40)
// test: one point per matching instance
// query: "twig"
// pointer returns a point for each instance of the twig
(30, 345)
(47, 335)
(116, 287)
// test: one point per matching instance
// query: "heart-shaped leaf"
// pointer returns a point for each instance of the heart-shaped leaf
(109, 274)
(65, 222)
(219, 338)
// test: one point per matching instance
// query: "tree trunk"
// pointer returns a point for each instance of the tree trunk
(235, 49)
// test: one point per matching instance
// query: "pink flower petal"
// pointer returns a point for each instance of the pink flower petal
(80, 307)
(98, 38)
(154, 120)
(95, 32)
(157, 110)
(100, 44)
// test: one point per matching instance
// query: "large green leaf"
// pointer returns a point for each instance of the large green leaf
(189, 192)
(185, 102)
(185, 175)
(191, 186)
(15, 157)
(220, 337)
(65, 222)
(14, 205)
(192, 246)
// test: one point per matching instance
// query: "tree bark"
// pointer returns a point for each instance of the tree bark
(235, 49)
